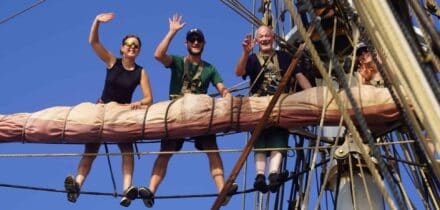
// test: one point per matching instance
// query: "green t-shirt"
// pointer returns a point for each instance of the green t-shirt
(209, 74)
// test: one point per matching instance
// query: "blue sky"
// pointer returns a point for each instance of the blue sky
(46, 61)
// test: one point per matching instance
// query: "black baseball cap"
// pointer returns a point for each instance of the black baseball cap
(195, 32)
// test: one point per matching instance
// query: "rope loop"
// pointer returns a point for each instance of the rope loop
(23, 131)
(212, 115)
(143, 123)
(165, 119)
(63, 131)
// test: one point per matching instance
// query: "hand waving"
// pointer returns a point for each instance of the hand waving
(176, 23)
(105, 17)
(248, 44)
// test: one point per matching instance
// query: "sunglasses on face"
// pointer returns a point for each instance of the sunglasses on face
(361, 51)
(131, 44)
(195, 38)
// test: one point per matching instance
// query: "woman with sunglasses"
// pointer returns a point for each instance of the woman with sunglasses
(123, 76)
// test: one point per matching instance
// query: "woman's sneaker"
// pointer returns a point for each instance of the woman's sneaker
(72, 188)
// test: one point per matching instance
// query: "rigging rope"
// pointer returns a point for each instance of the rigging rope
(415, 177)
(332, 152)
(347, 119)
(291, 177)
(23, 131)
(423, 184)
(416, 48)
(403, 106)
(235, 88)
(358, 115)
(63, 132)
(112, 176)
(247, 15)
(118, 194)
(182, 152)
(210, 195)
(143, 123)
(219, 150)
(321, 123)
(22, 11)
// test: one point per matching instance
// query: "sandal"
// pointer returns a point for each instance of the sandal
(147, 196)
(72, 188)
(129, 194)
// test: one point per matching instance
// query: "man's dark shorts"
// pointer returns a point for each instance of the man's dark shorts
(207, 142)
(273, 137)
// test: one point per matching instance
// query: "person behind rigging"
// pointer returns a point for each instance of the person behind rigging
(368, 73)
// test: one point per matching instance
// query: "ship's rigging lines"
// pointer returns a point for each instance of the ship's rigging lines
(48, 155)
(406, 159)
(22, 11)
(339, 72)
(324, 148)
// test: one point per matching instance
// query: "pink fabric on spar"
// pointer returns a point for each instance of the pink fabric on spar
(188, 116)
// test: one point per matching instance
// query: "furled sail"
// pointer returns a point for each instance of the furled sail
(191, 115)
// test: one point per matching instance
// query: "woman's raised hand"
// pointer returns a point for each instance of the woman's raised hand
(105, 17)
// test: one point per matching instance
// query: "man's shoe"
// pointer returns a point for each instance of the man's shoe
(274, 182)
(260, 183)
(130, 194)
(147, 196)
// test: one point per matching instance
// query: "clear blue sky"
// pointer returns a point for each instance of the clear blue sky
(46, 61)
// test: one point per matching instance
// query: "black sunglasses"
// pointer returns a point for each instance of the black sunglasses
(361, 50)
(195, 38)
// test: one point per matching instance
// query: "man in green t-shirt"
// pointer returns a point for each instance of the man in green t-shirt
(189, 74)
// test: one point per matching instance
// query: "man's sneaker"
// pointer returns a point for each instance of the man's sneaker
(231, 192)
(260, 183)
(147, 196)
(129, 194)
(72, 188)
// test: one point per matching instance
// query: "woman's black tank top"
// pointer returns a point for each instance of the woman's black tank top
(120, 83)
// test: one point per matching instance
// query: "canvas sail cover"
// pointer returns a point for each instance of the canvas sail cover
(191, 115)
